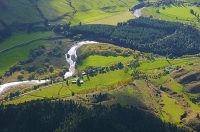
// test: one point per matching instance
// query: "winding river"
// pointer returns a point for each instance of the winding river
(138, 12)
(70, 57)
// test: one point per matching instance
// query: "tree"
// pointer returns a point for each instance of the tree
(51, 69)
(120, 65)
(171, 56)
(31, 76)
(67, 82)
(20, 77)
(192, 11)
(157, 11)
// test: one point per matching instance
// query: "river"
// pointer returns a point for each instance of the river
(71, 60)
(72, 57)
(138, 12)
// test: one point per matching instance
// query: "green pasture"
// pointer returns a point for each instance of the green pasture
(22, 99)
(57, 90)
(106, 79)
(20, 38)
(53, 9)
(173, 13)
(192, 105)
(174, 86)
(61, 90)
(10, 57)
(52, 91)
(159, 81)
(113, 20)
(162, 62)
(97, 60)
(86, 11)
(171, 109)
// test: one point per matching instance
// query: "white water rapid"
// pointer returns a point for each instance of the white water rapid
(72, 57)
(138, 12)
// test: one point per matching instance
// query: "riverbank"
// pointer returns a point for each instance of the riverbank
(71, 60)
(71, 57)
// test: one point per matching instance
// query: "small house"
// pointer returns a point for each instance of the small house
(74, 82)
(83, 73)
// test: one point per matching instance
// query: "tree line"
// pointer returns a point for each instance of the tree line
(67, 116)
(145, 34)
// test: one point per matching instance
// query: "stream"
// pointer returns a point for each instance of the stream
(138, 12)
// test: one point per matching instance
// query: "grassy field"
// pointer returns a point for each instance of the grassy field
(113, 20)
(97, 60)
(9, 58)
(173, 13)
(53, 9)
(176, 87)
(56, 91)
(19, 38)
(61, 90)
(82, 11)
(73, 11)
(160, 81)
(172, 110)
(162, 62)
(107, 79)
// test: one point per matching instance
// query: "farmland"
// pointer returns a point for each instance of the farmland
(162, 82)
(117, 85)
(174, 13)
(20, 38)
(113, 20)
(10, 57)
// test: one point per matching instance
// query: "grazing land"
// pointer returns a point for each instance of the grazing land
(113, 20)
(151, 85)
(166, 86)
(174, 13)
(20, 38)
(10, 57)
(97, 60)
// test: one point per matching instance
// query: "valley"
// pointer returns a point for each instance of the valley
(91, 60)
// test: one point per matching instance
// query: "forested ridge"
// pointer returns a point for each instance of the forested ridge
(67, 116)
(145, 34)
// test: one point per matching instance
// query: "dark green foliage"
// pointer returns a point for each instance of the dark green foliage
(6, 32)
(192, 11)
(145, 34)
(66, 116)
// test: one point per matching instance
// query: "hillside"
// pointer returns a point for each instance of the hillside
(21, 12)
(145, 34)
